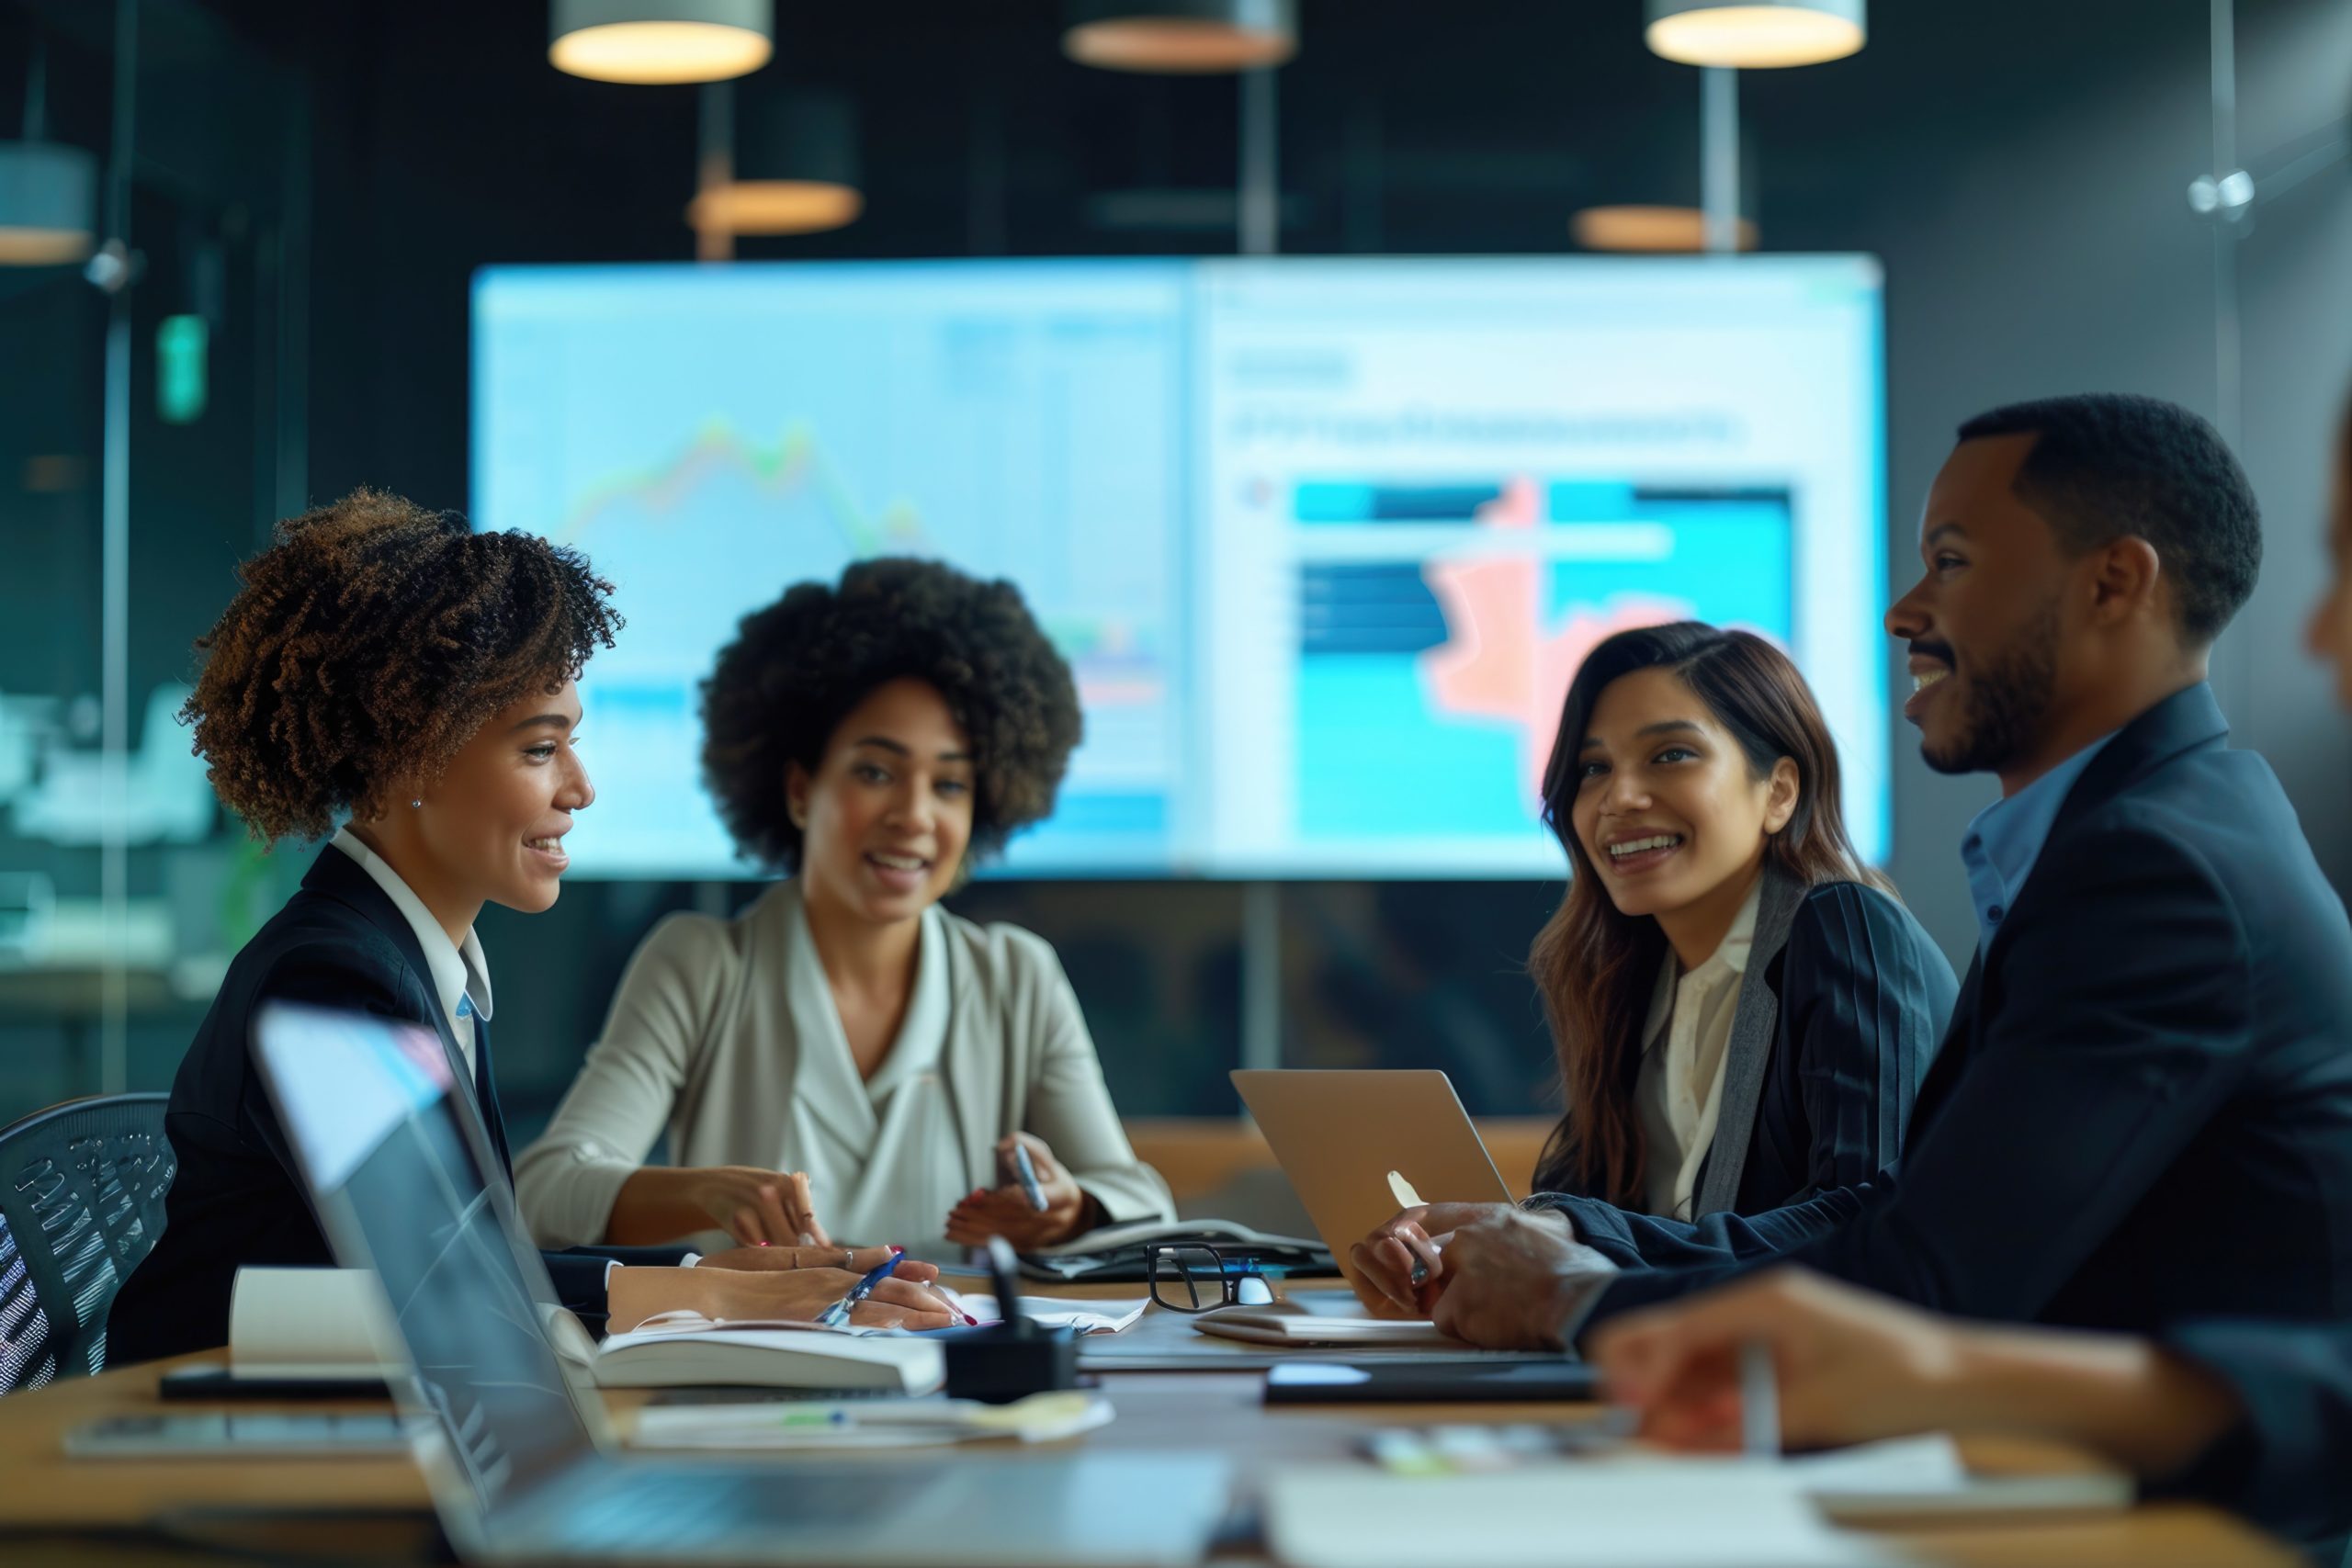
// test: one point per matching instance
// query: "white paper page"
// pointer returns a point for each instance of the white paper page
(1913, 1467)
(1927, 1475)
(685, 1321)
(1047, 1311)
(309, 1323)
(1566, 1515)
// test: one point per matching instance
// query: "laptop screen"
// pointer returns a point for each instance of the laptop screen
(396, 1169)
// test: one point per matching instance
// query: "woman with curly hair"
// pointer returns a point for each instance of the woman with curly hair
(386, 664)
(844, 1043)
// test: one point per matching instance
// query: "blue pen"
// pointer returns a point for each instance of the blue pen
(837, 1314)
(1026, 1170)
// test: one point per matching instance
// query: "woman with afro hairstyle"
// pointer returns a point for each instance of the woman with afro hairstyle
(386, 664)
(845, 1046)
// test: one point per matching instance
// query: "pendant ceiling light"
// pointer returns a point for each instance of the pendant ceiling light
(1182, 36)
(660, 41)
(1649, 229)
(48, 194)
(1754, 34)
(796, 168)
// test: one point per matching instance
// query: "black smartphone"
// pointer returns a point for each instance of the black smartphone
(213, 1383)
(1454, 1382)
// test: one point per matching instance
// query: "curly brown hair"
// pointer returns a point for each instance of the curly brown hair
(796, 668)
(369, 642)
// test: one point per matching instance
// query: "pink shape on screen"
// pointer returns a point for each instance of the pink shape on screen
(1500, 662)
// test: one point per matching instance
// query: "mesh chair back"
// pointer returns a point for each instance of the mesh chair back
(81, 1188)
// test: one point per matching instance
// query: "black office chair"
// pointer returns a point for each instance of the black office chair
(81, 1188)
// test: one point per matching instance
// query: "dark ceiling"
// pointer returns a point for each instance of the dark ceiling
(1405, 125)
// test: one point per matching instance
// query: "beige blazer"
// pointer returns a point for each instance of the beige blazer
(724, 1034)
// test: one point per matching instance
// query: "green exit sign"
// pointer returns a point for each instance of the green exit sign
(181, 344)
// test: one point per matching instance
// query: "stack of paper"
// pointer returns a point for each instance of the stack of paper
(1289, 1323)
(1898, 1478)
(1903, 1477)
(690, 1350)
(1556, 1515)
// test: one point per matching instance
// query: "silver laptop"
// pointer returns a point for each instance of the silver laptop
(514, 1453)
(1338, 1134)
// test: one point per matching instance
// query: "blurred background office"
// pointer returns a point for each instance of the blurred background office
(242, 254)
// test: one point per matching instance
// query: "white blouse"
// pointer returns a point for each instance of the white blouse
(724, 1034)
(460, 974)
(873, 1147)
(1684, 1042)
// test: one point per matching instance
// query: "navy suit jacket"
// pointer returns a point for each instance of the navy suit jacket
(2287, 1463)
(238, 1196)
(1862, 995)
(2143, 1110)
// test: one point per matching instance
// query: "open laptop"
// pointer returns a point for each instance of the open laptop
(514, 1452)
(1338, 1132)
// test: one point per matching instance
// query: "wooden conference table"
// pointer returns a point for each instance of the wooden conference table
(67, 1511)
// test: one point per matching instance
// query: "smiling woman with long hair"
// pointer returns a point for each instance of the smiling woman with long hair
(1742, 1011)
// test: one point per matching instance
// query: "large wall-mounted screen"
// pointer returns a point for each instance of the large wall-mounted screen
(1324, 540)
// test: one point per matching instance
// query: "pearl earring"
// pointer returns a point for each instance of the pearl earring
(416, 806)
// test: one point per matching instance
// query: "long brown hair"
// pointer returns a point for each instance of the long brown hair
(1596, 967)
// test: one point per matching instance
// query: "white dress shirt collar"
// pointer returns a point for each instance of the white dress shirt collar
(1685, 1044)
(461, 975)
(1730, 955)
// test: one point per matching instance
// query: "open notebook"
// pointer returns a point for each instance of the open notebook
(295, 1323)
(763, 1355)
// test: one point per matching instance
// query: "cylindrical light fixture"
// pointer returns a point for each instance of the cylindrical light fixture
(48, 201)
(1649, 229)
(796, 167)
(660, 41)
(1181, 37)
(1754, 34)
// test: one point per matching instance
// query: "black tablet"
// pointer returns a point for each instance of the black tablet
(1420, 1382)
(213, 1383)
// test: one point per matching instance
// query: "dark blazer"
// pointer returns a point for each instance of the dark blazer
(1839, 1015)
(238, 1196)
(2143, 1110)
(2287, 1463)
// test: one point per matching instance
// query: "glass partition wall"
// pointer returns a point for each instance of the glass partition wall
(150, 430)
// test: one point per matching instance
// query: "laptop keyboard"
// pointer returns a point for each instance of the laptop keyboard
(684, 1509)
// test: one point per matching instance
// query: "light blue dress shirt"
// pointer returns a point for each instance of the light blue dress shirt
(2005, 838)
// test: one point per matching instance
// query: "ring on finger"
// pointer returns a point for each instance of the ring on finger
(849, 1262)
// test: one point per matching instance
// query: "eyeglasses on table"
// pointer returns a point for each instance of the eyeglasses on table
(1190, 1276)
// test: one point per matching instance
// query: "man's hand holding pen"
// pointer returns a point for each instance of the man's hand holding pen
(1489, 1273)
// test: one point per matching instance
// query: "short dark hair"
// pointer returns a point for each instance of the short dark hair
(796, 668)
(373, 637)
(2105, 465)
